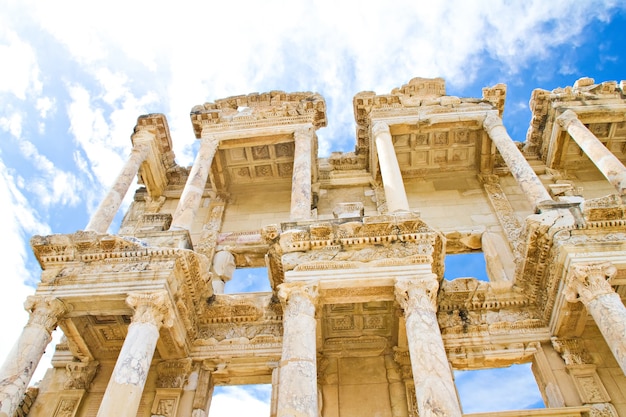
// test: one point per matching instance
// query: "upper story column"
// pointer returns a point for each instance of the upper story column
(143, 140)
(301, 180)
(389, 169)
(607, 163)
(191, 197)
(21, 362)
(297, 390)
(523, 173)
(588, 283)
(434, 386)
(123, 394)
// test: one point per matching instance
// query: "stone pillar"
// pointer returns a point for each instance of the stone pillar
(102, 218)
(588, 283)
(389, 169)
(297, 392)
(20, 364)
(397, 389)
(204, 392)
(274, 397)
(611, 167)
(191, 197)
(434, 385)
(523, 173)
(123, 394)
(301, 180)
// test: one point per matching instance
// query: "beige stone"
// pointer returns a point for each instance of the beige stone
(359, 320)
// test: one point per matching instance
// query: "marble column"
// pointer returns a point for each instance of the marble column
(389, 169)
(191, 197)
(123, 394)
(434, 385)
(301, 180)
(611, 167)
(20, 364)
(297, 391)
(102, 218)
(588, 284)
(523, 173)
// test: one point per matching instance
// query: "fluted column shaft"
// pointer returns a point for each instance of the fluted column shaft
(191, 197)
(301, 178)
(102, 218)
(297, 390)
(523, 173)
(610, 166)
(395, 194)
(123, 394)
(434, 385)
(20, 364)
(588, 284)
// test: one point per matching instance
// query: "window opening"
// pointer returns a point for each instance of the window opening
(466, 265)
(498, 389)
(241, 400)
(248, 280)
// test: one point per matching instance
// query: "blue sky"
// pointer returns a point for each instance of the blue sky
(75, 75)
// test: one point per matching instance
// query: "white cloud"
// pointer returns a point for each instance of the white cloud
(18, 220)
(45, 105)
(12, 124)
(52, 185)
(20, 71)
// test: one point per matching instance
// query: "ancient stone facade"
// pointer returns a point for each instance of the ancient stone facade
(360, 320)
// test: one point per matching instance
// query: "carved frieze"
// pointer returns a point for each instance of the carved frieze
(260, 110)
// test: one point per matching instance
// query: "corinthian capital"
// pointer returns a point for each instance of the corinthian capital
(44, 311)
(585, 282)
(298, 297)
(417, 294)
(151, 307)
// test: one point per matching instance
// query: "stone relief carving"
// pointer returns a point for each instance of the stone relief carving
(173, 374)
(80, 374)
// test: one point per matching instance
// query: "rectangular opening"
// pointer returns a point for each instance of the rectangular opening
(246, 280)
(498, 389)
(466, 265)
(241, 400)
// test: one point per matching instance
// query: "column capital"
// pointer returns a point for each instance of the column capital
(413, 294)
(303, 130)
(492, 120)
(567, 118)
(44, 311)
(585, 282)
(151, 307)
(80, 374)
(207, 135)
(299, 295)
(380, 127)
(141, 136)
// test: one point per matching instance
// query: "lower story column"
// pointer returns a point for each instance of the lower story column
(434, 385)
(297, 390)
(123, 394)
(20, 364)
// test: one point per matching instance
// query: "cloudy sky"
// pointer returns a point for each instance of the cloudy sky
(75, 75)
